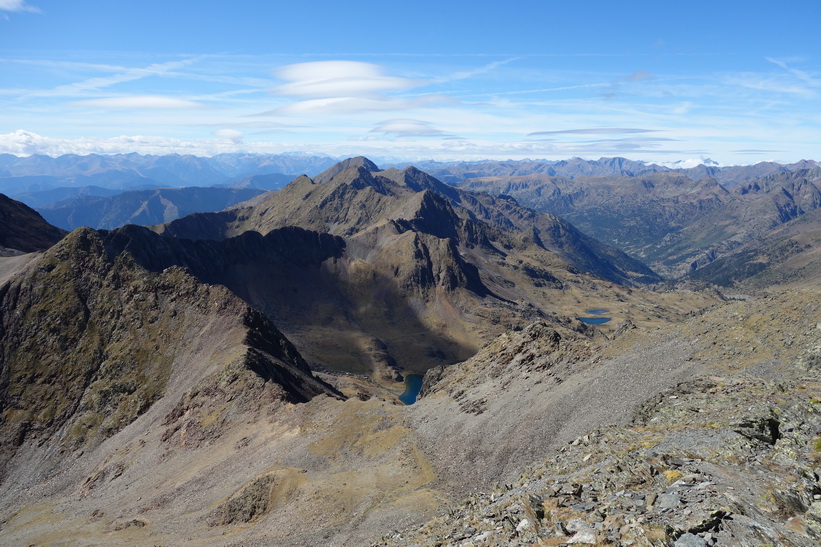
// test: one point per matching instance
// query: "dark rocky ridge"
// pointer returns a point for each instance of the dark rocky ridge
(23, 229)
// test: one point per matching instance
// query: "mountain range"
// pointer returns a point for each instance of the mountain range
(672, 222)
(19, 175)
(232, 377)
(23, 230)
(427, 268)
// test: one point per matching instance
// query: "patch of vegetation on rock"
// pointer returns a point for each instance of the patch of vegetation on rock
(251, 503)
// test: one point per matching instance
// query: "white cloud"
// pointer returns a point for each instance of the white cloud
(408, 128)
(342, 87)
(593, 131)
(688, 163)
(233, 135)
(347, 105)
(800, 74)
(772, 85)
(137, 102)
(327, 79)
(26, 143)
(466, 74)
(17, 5)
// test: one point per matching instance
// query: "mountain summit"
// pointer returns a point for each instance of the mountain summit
(428, 273)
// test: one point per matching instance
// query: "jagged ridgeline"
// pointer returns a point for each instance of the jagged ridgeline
(98, 329)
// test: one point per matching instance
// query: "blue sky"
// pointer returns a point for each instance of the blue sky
(738, 82)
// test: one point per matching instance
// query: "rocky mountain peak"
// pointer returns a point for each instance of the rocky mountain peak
(358, 162)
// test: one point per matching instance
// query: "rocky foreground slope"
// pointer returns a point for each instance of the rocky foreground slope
(728, 455)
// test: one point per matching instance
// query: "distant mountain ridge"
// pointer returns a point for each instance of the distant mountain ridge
(459, 171)
(20, 175)
(671, 221)
(135, 171)
(144, 207)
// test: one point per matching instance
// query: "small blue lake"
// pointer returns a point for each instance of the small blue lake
(413, 385)
(596, 320)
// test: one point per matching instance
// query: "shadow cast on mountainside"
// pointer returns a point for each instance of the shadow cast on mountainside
(340, 315)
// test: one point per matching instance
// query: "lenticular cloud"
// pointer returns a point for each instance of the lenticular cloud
(332, 79)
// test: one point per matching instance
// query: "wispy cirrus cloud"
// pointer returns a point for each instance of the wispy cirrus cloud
(466, 74)
(593, 131)
(767, 84)
(92, 85)
(804, 76)
(17, 6)
(137, 102)
(796, 82)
